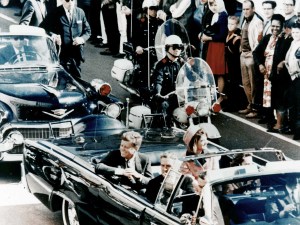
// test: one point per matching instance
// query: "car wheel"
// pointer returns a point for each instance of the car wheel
(4, 3)
(69, 213)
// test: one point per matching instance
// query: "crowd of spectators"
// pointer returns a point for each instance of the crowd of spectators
(246, 52)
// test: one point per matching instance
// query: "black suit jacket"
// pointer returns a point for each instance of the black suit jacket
(114, 160)
(8, 54)
(57, 23)
(32, 14)
(153, 187)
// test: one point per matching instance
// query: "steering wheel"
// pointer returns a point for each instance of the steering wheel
(29, 55)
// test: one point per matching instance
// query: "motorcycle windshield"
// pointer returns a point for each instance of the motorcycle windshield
(171, 27)
(195, 83)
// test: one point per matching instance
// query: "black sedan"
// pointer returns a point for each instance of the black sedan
(37, 94)
(61, 174)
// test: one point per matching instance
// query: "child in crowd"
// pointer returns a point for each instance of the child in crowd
(232, 56)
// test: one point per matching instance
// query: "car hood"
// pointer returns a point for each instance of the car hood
(40, 92)
(41, 102)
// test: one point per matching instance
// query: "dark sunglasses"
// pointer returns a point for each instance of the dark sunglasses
(69, 0)
(176, 46)
(153, 8)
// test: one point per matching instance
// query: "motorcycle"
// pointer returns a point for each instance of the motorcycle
(135, 78)
(195, 98)
(131, 74)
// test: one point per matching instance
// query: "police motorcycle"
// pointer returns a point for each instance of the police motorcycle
(191, 109)
(132, 78)
(195, 86)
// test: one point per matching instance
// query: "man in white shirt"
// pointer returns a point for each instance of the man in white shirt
(268, 11)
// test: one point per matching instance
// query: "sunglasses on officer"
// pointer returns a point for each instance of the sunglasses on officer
(69, 0)
(177, 46)
(153, 8)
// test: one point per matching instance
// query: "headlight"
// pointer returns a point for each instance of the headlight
(203, 108)
(17, 138)
(113, 110)
(180, 115)
(101, 87)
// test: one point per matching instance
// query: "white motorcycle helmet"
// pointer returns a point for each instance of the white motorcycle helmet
(149, 3)
(173, 40)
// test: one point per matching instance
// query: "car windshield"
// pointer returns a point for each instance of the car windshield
(266, 199)
(26, 50)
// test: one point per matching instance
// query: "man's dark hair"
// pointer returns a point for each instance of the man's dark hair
(279, 18)
(273, 4)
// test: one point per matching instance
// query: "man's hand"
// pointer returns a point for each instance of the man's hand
(205, 38)
(126, 10)
(289, 208)
(131, 173)
(262, 69)
(161, 15)
(56, 39)
(158, 95)
(280, 66)
(78, 41)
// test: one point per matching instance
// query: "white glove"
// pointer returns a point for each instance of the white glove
(139, 50)
(161, 15)
(126, 10)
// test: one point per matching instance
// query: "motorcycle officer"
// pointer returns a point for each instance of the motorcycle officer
(164, 77)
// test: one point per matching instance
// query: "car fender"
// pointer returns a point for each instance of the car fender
(6, 114)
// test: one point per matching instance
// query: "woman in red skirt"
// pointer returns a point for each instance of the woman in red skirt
(215, 34)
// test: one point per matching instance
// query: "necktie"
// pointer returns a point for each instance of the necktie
(69, 16)
(22, 56)
(127, 163)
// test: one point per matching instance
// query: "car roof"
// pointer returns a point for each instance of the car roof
(23, 30)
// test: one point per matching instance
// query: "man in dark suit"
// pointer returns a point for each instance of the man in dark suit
(68, 26)
(287, 206)
(17, 51)
(132, 167)
(35, 11)
(152, 189)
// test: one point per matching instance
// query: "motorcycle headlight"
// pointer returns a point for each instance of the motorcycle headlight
(101, 87)
(105, 89)
(113, 110)
(180, 115)
(203, 108)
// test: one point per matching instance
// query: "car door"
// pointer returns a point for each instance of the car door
(164, 208)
